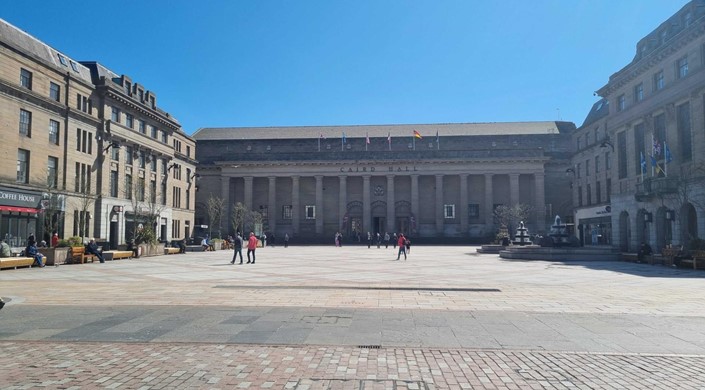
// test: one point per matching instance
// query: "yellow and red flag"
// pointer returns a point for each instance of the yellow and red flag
(417, 134)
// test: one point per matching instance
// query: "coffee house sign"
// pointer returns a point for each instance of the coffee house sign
(10, 197)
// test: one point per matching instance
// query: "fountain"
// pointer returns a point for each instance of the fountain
(521, 238)
(559, 233)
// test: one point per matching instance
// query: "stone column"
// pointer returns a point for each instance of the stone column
(513, 189)
(390, 204)
(272, 204)
(295, 204)
(489, 200)
(248, 192)
(366, 206)
(439, 205)
(540, 202)
(463, 204)
(342, 200)
(225, 194)
(414, 202)
(319, 204)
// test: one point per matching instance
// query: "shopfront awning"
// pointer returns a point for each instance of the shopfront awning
(19, 209)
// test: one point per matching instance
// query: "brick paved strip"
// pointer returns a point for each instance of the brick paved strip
(166, 365)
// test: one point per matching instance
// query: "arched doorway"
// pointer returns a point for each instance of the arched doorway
(624, 231)
(402, 210)
(379, 217)
(642, 226)
(689, 224)
(664, 229)
(352, 221)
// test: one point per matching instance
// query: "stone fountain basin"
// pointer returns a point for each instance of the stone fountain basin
(535, 252)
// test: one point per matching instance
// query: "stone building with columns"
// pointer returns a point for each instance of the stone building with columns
(311, 182)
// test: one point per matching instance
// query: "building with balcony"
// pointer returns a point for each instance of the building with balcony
(311, 182)
(93, 151)
(655, 122)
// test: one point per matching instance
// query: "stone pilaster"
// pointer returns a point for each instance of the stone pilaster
(463, 209)
(439, 205)
(513, 189)
(390, 203)
(295, 204)
(489, 201)
(414, 202)
(342, 199)
(319, 204)
(272, 204)
(366, 205)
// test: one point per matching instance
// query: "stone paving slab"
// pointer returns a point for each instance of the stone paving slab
(216, 366)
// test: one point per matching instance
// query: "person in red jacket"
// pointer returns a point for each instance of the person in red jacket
(251, 246)
(402, 246)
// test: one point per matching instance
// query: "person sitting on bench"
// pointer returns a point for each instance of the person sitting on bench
(92, 249)
(644, 250)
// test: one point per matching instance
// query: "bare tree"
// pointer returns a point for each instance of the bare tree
(146, 210)
(215, 207)
(237, 217)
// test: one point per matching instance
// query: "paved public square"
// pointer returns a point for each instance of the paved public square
(352, 317)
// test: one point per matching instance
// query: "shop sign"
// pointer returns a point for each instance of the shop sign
(10, 197)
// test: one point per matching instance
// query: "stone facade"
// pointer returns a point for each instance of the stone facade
(311, 182)
(61, 138)
(656, 103)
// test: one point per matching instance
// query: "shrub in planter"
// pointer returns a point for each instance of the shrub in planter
(75, 241)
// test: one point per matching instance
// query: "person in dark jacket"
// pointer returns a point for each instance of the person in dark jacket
(32, 251)
(92, 249)
(237, 246)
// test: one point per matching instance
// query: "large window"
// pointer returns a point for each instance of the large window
(639, 92)
(622, 154)
(53, 132)
(26, 78)
(26, 123)
(54, 91)
(474, 210)
(129, 121)
(52, 172)
(684, 132)
(598, 193)
(310, 212)
(286, 212)
(658, 81)
(621, 103)
(682, 67)
(84, 141)
(153, 191)
(115, 116)
(22, 166)
(114, 184)
(128, 186)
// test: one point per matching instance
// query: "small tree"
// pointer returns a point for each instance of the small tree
(215, 207)
(146, 210)
(237, 217)
(509, 217)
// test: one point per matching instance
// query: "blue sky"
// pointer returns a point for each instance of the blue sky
(217, 63)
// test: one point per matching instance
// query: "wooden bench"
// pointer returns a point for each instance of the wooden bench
(171, 251)
(669, 254)
(78, 254)
(117, 255)
(14, 262)
(698, 260)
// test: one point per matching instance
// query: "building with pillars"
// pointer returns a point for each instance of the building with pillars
(655, 124)
(89, 150)
(311, 182)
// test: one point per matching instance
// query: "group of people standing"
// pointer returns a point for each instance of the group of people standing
(251, 247)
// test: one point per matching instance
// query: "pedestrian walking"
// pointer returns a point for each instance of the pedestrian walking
(369, 239)
(386, 240)
(271, 239)
(251, 247)
(402, 247)
(379, 240)
(237, 246)
(407, 243)
(394, 240)
(286, 240)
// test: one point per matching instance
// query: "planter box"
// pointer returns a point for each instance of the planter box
(55, 255)
(152, 250)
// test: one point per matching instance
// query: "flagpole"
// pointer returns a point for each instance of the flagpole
(653, 158)
(665, 159)
(319, 143)
(438, 141)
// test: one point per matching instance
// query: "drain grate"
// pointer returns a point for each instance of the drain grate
(369, 346)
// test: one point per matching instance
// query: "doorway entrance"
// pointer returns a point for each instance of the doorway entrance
(379, 225)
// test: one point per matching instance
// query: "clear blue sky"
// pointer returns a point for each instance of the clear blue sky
(218, 63)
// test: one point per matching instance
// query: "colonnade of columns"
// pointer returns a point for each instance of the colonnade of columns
(462, 212)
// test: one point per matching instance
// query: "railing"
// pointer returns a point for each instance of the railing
(651, 187)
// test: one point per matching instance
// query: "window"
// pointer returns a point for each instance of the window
(84, 104)
(608, 161)
(658, 81)
(84, 141)
(175, 227)
(588, 195)
(140, 190)
(474, 210)
(128, 186)
(177, 171)
(153, 163)
(621, 103)
(639, 92)
(622, 154)
(26, 78)
(580, 196)
(608, 189)
(128, 88)
(153, 191)
(115, 153)
(188, 199)
(154, 131)
(683, 67)
(52, 172)
(62, 59)
(54, 91)
(597, 164)
(115, 116)
(74, 66)
(578, 170)
(164, 167)
(163, 193)
(449, 211)
(188, 151)
(684, 132)
(310, 212)
(176, 197)
(578, 143)
(141, 159)
(165, 137)
(25, 123)
(177, 145)
(128, 155)
(82, 181)
(598, 193)
(129, 121)
(142, 127)
(22, 166)
(53, 132)
(114, 184)
(286, 212)
(587, 168)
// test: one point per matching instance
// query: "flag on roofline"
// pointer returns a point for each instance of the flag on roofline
(417, 134)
